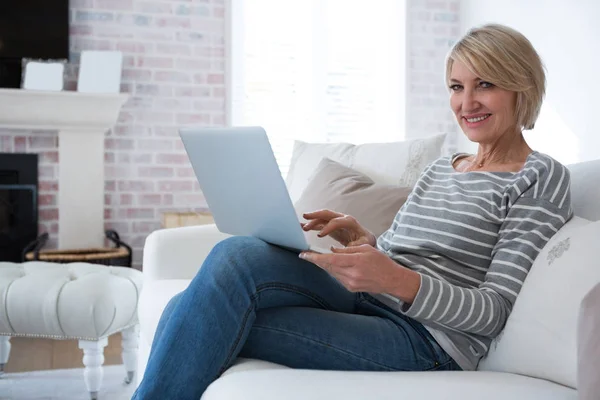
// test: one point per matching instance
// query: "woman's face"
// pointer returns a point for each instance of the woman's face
(484, 111)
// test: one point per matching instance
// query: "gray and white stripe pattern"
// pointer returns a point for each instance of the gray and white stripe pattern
(473, 238)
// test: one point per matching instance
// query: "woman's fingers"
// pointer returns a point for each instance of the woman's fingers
(321, 214)
(362, 248)
(338, 223)
(318, 219)
(341, 227)
(330, 262)
(362, 240)
(315, 224)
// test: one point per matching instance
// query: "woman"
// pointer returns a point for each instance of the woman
(429, 294)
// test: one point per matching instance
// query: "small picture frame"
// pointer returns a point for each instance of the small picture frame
(100, 72)
(43, 74)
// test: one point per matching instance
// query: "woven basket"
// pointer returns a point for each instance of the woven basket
(118, 256)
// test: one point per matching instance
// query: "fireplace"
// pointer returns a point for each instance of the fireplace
(18, 204)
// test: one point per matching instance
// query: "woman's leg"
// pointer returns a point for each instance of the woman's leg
(372, 339)
(210, 321)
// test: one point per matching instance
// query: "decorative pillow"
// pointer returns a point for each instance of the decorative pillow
(397, 163)
(339, 188)
(588, 346)
(540, 336)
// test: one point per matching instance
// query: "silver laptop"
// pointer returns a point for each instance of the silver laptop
(242, 184)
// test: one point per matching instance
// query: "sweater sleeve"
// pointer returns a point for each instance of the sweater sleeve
(535, 213)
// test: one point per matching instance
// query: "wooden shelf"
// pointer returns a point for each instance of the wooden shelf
(179, 219)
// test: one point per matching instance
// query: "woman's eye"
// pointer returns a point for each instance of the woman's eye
(455, 87)
(486, 85)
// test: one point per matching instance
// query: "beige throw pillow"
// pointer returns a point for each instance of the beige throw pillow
(336, 187)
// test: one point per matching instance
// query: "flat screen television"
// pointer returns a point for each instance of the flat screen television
(37, 29)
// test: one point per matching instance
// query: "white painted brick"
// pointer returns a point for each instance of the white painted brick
(179, 38)
(433, 27)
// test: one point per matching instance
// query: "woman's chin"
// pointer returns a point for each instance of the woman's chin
(475, 135)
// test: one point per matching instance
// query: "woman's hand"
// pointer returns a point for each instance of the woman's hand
(365, 269)
(343, 228)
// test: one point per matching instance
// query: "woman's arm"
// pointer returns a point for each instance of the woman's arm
(404, 284)
(483, 310)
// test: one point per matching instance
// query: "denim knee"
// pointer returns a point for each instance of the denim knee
(237, 245)
(235, 255)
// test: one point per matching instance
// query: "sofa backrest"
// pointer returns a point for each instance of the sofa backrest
(585, 189)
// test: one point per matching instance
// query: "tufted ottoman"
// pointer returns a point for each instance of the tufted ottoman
(71, 301)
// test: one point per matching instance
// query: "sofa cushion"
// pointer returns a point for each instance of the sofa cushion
(249, 364)
(588, 346)
(290, 384)
(585, 194)
(540, 336)
(339, 188)
(397, 163)
(153, 300)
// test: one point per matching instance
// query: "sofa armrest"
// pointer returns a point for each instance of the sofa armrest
(588, 346)
(178, 253)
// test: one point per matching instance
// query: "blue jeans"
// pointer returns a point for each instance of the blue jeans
(255, 300)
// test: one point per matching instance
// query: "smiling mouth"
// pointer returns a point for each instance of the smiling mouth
(477, 119)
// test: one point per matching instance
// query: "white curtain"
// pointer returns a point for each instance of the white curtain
(318, 70)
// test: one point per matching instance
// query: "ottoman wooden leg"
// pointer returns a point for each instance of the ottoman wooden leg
(129, 340)
(93, 358)
(4, 352)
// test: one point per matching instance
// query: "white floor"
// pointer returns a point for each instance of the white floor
(63, 384)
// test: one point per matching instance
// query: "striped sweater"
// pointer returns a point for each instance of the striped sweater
(473, 237)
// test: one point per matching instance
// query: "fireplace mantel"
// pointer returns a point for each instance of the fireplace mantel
(81, 120)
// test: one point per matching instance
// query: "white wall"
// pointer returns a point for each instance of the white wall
(566, 33)
(432, 28)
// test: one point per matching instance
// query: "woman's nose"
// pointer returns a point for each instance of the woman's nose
(470, 101)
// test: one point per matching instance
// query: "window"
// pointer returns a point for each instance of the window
(318, 70)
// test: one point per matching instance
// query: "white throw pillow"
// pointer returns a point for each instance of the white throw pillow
(396, 163)
(540, 336)
(588, 343)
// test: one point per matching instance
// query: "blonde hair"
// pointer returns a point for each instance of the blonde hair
(506, 58)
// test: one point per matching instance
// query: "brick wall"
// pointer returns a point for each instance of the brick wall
(174, 70)
(433, 27)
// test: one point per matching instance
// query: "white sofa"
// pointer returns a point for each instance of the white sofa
(172, 257)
